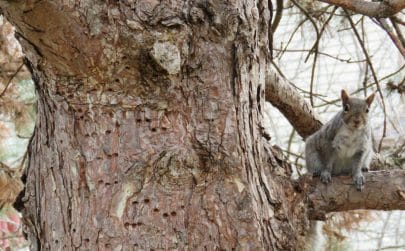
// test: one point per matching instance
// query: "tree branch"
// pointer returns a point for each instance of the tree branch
(384, 190)
(373, 73)
(291, 104)
(395, 38)
(279, 14)
(385, 8)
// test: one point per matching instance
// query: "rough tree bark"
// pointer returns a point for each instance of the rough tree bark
(149, 127)
(385, 191)
(291, 104)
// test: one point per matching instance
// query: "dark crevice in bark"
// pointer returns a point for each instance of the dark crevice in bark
(201, 178)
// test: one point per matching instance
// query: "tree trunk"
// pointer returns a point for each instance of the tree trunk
(149, 127)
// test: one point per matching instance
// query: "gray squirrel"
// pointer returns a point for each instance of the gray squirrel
(344, 145)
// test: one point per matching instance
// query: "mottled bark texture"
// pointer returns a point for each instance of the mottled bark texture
(149, 127)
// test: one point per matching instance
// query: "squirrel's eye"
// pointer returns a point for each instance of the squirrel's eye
(347, 107)
(367, 110)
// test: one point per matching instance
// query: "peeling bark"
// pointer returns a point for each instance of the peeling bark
(384, 190)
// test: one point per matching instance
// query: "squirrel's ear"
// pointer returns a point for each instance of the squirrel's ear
(345, 97)
(370, 99)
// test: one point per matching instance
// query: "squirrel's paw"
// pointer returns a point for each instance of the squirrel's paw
(358, 181)
(326, 177)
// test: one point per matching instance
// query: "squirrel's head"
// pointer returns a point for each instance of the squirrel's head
(355, 110)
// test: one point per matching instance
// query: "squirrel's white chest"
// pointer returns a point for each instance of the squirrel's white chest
(347, 142)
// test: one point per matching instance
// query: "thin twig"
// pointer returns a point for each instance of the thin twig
(10, 79)
(373, 74)
(398, 31)
(290, 139)
(366, 70)
(365, 81)
(333, 102)
(398, 43)
(398, 20)
(315, 49)
(349, 61)
(291, 37)
(316, 42)
(327, 21)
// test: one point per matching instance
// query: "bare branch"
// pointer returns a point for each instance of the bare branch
(314, 49)
(348, 60)
(398, 20)
(279, 14)
(385, 8)
(290, 39)
(384, 190)
(398, 31)
(291, 104)
(394, 38)
(374, 74)
(10, 79)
